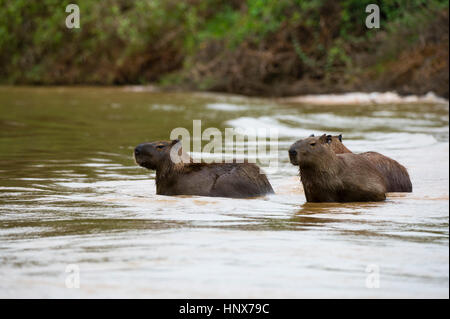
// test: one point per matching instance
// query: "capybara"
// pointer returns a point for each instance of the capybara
(330, 177)
(236, 180)
(395, 174)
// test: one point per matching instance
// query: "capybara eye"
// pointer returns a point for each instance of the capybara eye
(159, 146)
(312, 144)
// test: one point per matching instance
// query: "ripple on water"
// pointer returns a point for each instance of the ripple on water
(77, 197)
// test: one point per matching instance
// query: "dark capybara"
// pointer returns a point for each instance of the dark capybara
(396, 175)
(330, 177)
(236, 180)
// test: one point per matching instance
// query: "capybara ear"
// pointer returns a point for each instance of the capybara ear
(175, 141)
(329, 139)
(323, 138)
(340, 137)
(312, 135)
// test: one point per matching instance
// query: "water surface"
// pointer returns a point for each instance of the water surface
(70, 193)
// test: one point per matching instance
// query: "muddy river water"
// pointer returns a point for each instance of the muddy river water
(76, 211)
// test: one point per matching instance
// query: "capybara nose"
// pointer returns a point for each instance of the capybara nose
(292, 152)
(138, 150)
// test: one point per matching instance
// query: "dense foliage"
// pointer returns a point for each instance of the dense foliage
(239, 46)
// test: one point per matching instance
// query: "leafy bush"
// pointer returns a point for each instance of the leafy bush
(140, 41)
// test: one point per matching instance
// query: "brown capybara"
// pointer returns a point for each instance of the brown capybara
(236, 180)
(395, 174)
(330, 177)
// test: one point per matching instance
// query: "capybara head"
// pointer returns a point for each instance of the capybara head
(153, 155)
(310, 150)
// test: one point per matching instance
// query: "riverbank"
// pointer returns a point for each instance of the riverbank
(254, 48)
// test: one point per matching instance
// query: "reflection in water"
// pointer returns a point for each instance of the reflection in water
(70, 193)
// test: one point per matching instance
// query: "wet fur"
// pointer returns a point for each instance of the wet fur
(330, 177)
(395, 174)
(235, 180)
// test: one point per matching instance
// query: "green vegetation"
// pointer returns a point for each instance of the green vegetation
(250, 47)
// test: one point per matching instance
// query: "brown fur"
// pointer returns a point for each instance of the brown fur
(337, 146)
(236, 180)
(330, 177)
(396, 175)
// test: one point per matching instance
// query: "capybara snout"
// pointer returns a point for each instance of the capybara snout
(140, 151)
(150, 155)
(305, 149)
(293, 156)
(143, 154)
